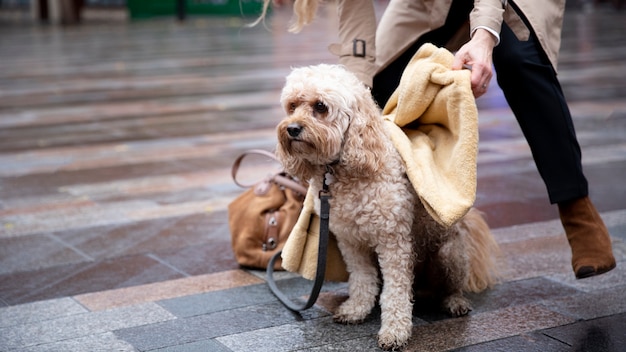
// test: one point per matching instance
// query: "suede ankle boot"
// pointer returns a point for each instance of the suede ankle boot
(588, 237)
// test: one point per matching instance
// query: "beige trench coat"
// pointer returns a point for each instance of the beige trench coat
(404, 21)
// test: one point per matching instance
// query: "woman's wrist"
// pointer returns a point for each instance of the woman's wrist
(486, 36)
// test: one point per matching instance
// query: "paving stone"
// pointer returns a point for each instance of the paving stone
(535, 257)
(198, 346)
(39, 311)
(149, 236)
(532, 342)
(106, 342)
(331, 300)
(202, 258)
(603, 334)
(363, 344)
(618, 231)
(612, 279)
(166, 289)
(518, 293)
(201, 327)
(289, 337)
(80, 325)
(36, 252)
(116, 142)
(523, 232)
(22, 287)
(15, 286)
(597, 304)
(237, 297)
(474, 329)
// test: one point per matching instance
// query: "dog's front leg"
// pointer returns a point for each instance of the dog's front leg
(396, 265)
(363, 284)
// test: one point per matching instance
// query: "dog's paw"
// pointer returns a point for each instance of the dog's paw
(346, 319)
(395, 338)
(457, 305)
(350, 312)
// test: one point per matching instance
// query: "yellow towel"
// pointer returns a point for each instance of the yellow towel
(433, 123)
(300, 251)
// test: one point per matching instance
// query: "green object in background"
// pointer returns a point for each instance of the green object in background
(151, 8)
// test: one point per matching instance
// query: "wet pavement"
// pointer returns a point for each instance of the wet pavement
(116, 141)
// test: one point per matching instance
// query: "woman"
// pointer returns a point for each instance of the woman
(521, 40)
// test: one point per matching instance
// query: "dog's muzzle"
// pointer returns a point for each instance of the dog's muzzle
(294, 130)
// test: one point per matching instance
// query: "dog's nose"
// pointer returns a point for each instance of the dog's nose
(294, 129)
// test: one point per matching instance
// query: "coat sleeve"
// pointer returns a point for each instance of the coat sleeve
(357, 32)
(487, 13)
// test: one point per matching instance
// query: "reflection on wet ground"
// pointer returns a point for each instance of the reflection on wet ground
(116, 141)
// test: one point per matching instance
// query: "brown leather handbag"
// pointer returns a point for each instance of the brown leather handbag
(261, 218)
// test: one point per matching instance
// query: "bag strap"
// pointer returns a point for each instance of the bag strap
(320, 272)
(278, 179)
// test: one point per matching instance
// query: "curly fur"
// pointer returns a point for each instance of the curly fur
(333, 124)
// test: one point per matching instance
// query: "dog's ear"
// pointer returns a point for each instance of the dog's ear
(364, 145)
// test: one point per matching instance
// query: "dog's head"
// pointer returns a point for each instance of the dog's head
(330, 115)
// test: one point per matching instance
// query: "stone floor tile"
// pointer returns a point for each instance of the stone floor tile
(165, 290)
(111, 213)
(125, 157)
(197, 346)
(207, 326)
(74, 279)
(362, 344)
(518, 293)
(618, 231)
(597, 304)
(330, 301)
(523, 232)
(149, 236)
(511, 212)
(105, 342)
(603, 334)
(39, 311)
(514, 199)
(208, 257)
(532, 342)
(474, 329)
(36, 252)
(16, 287)
(612, 279)
(536, 257)
(238, 297)
(278, 275)
(80, 325)
(289, 337)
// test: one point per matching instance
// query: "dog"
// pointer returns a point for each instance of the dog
(333, 126)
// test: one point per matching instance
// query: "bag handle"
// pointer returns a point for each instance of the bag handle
(320, 272)
(277, 178)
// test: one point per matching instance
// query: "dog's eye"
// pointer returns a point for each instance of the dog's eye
(292, 107)
(320, 107)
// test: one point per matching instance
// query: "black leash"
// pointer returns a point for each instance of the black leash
(324, 196)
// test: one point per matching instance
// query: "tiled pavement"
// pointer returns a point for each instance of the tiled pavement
(116, 140)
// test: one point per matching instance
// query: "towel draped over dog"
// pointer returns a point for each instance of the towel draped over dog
(433, 123)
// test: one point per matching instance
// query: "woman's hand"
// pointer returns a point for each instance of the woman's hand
(477, 56)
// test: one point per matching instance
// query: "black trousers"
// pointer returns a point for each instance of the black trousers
(533, 92)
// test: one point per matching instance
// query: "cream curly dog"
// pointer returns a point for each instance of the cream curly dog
(333, 123)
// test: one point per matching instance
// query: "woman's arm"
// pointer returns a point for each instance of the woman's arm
(357, 33)
(485, 24)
